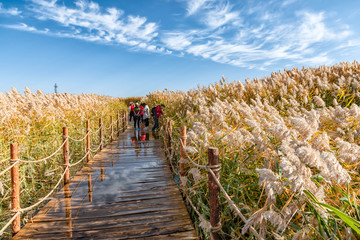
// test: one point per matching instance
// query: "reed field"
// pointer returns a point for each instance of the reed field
(289, 150)
(35, 122)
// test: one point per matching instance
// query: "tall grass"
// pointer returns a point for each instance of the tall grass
(35, 122)
(289, 149)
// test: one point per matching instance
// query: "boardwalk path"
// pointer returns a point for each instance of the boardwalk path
(127, 192)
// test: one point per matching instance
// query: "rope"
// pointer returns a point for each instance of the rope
(74, 164)
(94, 151)
(108, 128)
(46, 158)
(4, 171)
(231, 203)
(80, 140)
(194, 163)
(44, 198)
(229, 200)
(8, 224)
(97, 130)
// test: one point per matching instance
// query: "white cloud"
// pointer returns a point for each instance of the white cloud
(221, 15)
(86, 21)
(194, 5)
(288, 2)
(177, 41)
(25, 27)
(9, 11)
(269, 39)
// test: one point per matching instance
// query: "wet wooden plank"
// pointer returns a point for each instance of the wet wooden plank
(126, 192)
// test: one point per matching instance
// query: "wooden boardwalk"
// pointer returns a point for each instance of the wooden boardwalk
(126, 192)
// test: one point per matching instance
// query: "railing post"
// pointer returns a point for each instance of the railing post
(15, 187)
(170, 135)
(182, 151)
(118, 124)
(89, 187)
(101, 133)
(214, 190)
(124, 121)
(88, 141)
(102, 174)
(111, 129)
(66, 155)
(166, 133)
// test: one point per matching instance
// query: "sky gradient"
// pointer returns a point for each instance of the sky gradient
(130, 48)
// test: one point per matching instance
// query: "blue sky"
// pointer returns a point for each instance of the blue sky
(132, 47)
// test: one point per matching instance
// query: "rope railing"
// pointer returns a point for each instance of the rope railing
(21, 210)
(80, 140)
(10, 167)
(48, 157)
(65, 176)
(79, 161)
(213, 228)
(97, 149)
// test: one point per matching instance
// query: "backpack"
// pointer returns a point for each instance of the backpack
(153, 111)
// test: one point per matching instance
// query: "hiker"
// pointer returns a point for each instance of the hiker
(146, 115)
(131, 109)
(137, 116)
(142, 112)
(157, 112)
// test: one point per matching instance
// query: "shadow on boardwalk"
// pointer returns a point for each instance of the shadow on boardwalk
(126, 192)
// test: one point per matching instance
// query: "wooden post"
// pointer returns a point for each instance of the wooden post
(170, 135)
(101, 133)
(88, 141)
(66, 154)
(213, 155)
(182, 151)
(118, 124)
(124, 121)
(111, 129)
(166, 133)
(15, 187)
(89, 187)
(102, 174)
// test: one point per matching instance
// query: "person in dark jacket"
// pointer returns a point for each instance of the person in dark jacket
(157, 114)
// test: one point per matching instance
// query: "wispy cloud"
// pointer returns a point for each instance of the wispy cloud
(87, 21)
(195, 5)
(220, 15)
(258, 35)
(9, 11)
(177, 41)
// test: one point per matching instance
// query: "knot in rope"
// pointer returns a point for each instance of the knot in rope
(12, 161)
(216, 228)
(214, 168)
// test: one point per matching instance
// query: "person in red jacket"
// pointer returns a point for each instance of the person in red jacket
(157, 113)
(142, 112)
(131, 109)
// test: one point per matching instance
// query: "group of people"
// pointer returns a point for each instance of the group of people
(141, 113)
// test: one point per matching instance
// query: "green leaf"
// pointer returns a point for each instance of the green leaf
(354, 224)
